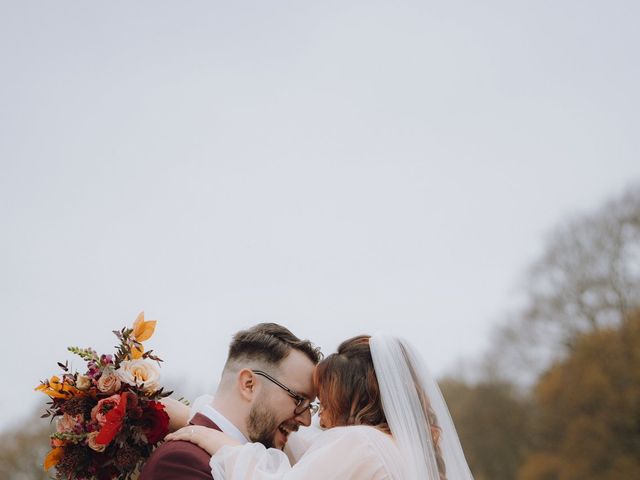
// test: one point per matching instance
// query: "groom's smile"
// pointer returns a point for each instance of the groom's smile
(284, 430)
(283, 402)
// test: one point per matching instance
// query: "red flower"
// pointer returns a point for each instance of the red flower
(113, 423)
(104, 406)
(155, 422)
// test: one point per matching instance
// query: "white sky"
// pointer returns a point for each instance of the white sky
(339, 167)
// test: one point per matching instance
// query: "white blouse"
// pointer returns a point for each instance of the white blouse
(355, 452)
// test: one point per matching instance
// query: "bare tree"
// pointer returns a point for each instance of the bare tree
(588, 278)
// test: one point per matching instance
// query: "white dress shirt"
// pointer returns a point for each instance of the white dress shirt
(223, 422)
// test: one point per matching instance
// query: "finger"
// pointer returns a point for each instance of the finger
(182, 430)
(184, 433)
(176, 436)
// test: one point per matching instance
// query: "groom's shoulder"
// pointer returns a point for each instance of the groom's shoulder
(177, 460)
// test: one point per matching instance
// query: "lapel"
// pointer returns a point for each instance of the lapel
(203, 420)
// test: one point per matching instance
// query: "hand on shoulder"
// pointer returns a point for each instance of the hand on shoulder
(208, 439)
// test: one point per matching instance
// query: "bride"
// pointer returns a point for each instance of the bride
(383, 418)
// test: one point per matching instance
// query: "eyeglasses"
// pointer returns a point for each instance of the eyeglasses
(302, 403)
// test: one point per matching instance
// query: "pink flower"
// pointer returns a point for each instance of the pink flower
(99, 412)
(109, 382)
(68, 423)
(114, 418)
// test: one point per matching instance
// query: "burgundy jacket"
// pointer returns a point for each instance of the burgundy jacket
(180, 460)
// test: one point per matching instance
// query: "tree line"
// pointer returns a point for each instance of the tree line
(560, 395)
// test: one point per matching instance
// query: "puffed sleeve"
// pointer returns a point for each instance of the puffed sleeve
(356, 453)
(299, 442)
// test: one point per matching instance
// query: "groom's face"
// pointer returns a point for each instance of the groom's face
(272, 417)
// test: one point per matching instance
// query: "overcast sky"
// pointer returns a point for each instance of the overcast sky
(338, 167)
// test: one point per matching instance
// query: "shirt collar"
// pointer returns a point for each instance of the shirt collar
(223, 422)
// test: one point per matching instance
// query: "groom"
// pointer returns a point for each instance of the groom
(264, 394)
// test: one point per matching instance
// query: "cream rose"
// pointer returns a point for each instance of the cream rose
(83, 382)
(138, 372)
(109, 382)
(93, 444)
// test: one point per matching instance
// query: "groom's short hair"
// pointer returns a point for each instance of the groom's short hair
(269, 343)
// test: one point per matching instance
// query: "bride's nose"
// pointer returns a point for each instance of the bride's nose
(304, 418)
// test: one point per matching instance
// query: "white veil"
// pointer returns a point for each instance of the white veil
(407, 389)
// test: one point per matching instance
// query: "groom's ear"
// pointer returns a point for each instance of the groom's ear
(247, 384)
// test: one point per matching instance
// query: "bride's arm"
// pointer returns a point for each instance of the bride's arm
(208, 439)
(348, 452)
(178, 412)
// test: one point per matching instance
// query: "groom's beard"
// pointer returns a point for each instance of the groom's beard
(261, 426)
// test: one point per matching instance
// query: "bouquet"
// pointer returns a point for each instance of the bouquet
(109, 418)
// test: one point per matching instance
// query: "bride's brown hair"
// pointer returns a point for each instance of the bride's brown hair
(350, 395)
(348, 387)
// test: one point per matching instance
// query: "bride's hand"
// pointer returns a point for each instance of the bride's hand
(206, 438)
